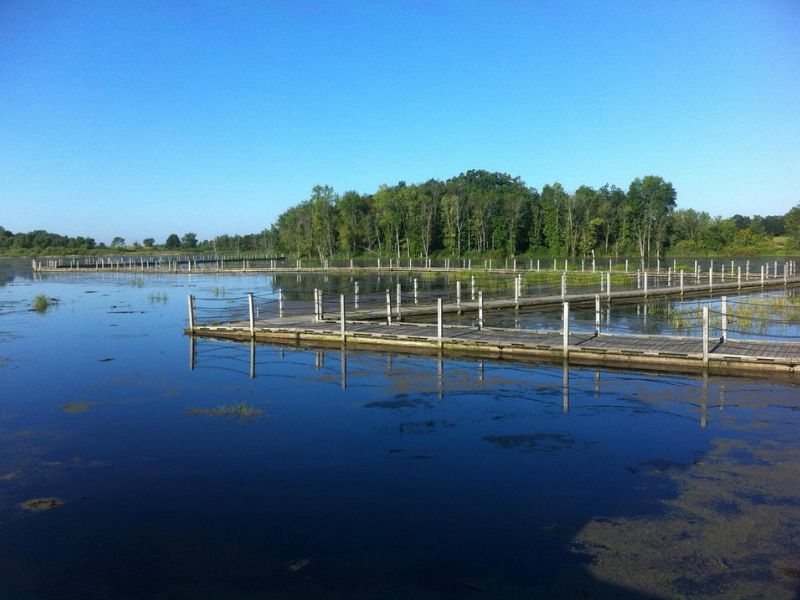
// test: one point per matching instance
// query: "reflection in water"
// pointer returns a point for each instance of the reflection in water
(220, 359)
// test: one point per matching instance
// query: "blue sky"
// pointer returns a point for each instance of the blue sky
(139, 119)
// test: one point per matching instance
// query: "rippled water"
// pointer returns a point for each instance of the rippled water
(284, 472)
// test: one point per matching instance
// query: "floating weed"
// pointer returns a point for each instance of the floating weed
(73, 408)
(239, 410)
(41, 303)
(41, 504)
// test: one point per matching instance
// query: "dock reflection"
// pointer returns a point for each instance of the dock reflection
(243, 358)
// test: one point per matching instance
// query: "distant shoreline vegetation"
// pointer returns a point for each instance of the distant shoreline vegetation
(476, 214)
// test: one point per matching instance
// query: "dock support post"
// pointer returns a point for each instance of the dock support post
(645, 284)
(669, 276)
(638, 279)
(251, 314)
(415, 290)
(537, 265)
(711, 276)
(705, 336)
(626, 265)
(516, 293)
(191, 312)
(739, 277)
(566, 330)
(681, 282)
(596, 315)
(439, 322)
(480, 309)
(472, 287)
(280, 303)
(724, 310)
(342, 318)
(399, 299)
(747, 271)
(563, 286)
(355, 305)
(388, 308)
(458, 296)
(316, 305)
(762, 275)
(608, 285)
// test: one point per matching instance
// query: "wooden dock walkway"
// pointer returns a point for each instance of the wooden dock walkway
(655, 352)
(408, 309)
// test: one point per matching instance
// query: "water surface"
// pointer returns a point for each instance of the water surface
(366, 474)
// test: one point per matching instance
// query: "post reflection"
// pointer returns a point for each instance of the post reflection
(343, 367)
(565, 387)
(704, 401)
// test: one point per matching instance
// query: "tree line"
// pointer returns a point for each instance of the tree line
(489, 213)
(475, 213)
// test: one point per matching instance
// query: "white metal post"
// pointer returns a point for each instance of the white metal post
(565, 329)
(388, 308)
(399, 298)
(705, 336)
(439, 321)
(191, 312)
(342, 317)
(597, 314)
(724, 307)
(480, 309)
(251, 313)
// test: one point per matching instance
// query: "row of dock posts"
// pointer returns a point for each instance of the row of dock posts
(319, 315)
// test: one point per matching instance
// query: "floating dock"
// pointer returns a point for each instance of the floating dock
(656, 352)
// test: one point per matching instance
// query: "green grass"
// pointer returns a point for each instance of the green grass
(41, 303)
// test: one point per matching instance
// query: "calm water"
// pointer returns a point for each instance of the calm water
(368, 475)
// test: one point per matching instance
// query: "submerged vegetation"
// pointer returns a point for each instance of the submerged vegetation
(158, 297)
(777, 315)
(41, 504)
(239, 410)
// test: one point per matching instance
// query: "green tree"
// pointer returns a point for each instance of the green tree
(148, 242)
(649, 202)
(791, 224)
(118, 242)
(173, 241)
(189, 240)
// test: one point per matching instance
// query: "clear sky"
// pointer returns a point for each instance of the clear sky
(139, 119)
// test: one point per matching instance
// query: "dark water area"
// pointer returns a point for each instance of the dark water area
(282, 472)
